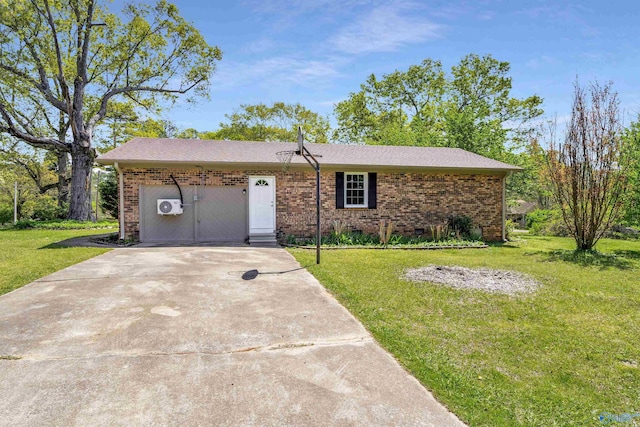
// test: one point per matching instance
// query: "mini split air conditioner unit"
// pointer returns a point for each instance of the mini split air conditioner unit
(169, 207)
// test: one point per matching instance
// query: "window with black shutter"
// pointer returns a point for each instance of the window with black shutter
(356, 190)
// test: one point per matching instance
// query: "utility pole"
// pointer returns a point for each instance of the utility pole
(98, 194)
(15, 202)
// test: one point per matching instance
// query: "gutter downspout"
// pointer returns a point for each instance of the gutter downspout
(504, 206)
(120, 198)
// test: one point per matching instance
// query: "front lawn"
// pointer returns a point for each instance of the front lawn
(561, 356)
(27, 255)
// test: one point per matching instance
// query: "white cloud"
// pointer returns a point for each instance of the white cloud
(330, 103)
(300, 7)
(542, 61)
(350, 27)
(573, 15)
(385, 28)
(259, 46)
(279, 69)
(487, 15)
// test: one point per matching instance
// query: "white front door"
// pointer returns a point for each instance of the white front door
(262, 204)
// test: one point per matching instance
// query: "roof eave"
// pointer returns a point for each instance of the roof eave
(303, 166)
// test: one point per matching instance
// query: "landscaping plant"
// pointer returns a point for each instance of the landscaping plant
(386, 228)
(588, 170)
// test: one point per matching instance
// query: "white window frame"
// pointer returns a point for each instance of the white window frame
(366, 190)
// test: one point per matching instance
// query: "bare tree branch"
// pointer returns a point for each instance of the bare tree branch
(38, 142)
(130, 89)
(64, 87)
(588, 169)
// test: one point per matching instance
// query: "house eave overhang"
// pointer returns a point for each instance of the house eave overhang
(298, 166)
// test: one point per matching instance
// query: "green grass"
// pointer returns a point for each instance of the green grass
(27, 255)
(560, 356)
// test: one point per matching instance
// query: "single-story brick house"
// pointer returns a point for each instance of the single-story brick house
(234, 190)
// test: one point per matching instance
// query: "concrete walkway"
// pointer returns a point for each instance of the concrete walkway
(176, 336)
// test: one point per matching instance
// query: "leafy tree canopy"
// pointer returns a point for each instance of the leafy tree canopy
(469, 108)
(74, 58)
(276, 122)
(631, 136)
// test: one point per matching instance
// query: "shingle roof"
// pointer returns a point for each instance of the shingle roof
(522, 207)
(152, 151)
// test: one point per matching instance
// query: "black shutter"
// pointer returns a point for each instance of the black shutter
(373, 193)
(339, 190)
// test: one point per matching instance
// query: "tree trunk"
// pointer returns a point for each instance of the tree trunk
(81, 165)
(63, 180)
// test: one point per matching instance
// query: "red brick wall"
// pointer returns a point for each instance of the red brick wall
(409, 200)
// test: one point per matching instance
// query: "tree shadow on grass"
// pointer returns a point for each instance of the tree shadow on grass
(628, 254)
(504, 245)
(87, 241)
(619, 259)
(55, 246)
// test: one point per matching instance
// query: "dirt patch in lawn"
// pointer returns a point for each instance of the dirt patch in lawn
(484, 279)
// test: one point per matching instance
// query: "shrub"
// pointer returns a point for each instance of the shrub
(557, 227)
(363, 239)
(537, 219)
(461, 224)
(43, 208)
(24, 224)
(476, 234)
(108, 188)
(509, 226)
(48, 211)
(6, 215)
(622, 232)
(546, 223)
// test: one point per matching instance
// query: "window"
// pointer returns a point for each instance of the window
(261, 183)
(355, 190)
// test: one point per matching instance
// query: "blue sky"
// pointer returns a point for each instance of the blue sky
(316, 52)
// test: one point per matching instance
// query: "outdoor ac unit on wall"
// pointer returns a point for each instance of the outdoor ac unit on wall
(169, 207)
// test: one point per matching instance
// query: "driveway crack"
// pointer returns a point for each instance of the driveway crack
(283, 346)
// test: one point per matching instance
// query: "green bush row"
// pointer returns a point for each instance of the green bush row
(361, 239)
(65, 225)
(549, 222)
(45, 208)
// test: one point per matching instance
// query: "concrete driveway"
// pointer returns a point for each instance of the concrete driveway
(175, 336)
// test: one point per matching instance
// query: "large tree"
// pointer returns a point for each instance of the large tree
(74, 57)
(123, 129)
(470, 107)
(588, 168)
(631, 137)
(532, 183)
(276, 122)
